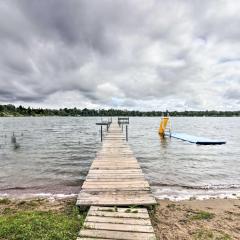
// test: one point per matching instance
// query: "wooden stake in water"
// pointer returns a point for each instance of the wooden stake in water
(13, 139)
(126, 132)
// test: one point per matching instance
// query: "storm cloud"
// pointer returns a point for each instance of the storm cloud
(147, 55)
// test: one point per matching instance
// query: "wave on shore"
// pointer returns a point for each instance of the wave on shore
(160, 191)
(178, 193)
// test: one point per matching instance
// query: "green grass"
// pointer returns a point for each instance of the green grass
(201, 215)
(4, 201)
(203, 234)
(40, 225)
(206, 234)
(129, 210)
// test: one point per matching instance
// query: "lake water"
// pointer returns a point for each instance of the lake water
(55, 154)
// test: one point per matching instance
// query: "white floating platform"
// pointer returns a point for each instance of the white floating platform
(194, 139)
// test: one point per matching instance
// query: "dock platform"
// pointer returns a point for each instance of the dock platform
(194, 139)
(116, 191)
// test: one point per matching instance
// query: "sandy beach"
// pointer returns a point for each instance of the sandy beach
(197, 219)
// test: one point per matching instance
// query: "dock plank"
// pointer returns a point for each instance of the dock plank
(119, 209)
(118, 220)
(95, 233)
(119, 227)
(114, 185)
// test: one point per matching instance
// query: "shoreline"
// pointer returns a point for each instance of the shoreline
(187, 219)
(164, 193)
(181, 194)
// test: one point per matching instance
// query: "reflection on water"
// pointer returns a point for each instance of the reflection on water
(164, 142)
(55, 154)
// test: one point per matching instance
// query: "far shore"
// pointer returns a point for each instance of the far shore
(185, 220)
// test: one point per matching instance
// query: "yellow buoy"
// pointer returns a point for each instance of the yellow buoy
(163, 125)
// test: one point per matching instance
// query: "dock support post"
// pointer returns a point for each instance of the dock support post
(126, 132)
(101, 134)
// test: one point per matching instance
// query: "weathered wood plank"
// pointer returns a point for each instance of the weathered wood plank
(95, 201)
(115, 188)
(110, 193)
(119, 209)
(117, 234)
(115, 171)
(115, 164)
(124, 184)
(112, 167)
(119, 227)
(137, 221)
(113, 176)
(115, 179)
(115, 185)
(115, 161)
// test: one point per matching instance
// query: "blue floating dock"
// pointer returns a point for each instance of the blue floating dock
(194, 139)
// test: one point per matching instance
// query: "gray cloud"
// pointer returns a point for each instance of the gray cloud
(233, 94)
(119, 53)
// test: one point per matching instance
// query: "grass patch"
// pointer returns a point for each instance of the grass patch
(34, 224)
(129, 210)
(205, 234)
(5, 201)
(134, 211)
(201, 215)
(171, 205)
(27, 204)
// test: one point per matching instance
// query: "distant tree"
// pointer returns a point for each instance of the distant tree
(10, 109)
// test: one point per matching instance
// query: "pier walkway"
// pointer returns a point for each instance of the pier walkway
(116, 191)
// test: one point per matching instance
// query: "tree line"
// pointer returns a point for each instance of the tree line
(11, 110)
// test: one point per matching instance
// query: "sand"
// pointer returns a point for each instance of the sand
(197, 219)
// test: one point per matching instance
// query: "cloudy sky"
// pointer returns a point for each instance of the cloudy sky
(134, 54)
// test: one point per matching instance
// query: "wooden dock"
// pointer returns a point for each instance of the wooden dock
(117, 223)
(115, 181)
